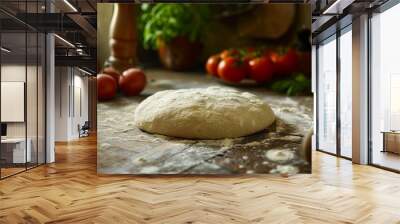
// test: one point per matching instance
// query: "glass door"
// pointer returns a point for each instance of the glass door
(15, 151)
(41, 97)
(22, 93)
(345, 59)
(32, 98)
(385, 89)
(326, 96)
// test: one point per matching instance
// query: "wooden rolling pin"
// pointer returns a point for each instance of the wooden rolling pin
(123, 37)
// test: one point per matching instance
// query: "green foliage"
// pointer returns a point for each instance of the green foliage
(293, 86)
(166, 21)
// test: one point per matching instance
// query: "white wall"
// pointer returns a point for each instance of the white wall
(81, 84)
(13, 101)
(70, 83)
(12, 73)
(33, 127)
(62, 81)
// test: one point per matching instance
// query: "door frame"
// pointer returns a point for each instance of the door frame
(341, 27)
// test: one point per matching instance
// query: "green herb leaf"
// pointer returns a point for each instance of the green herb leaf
(166, 21)
(295, 85)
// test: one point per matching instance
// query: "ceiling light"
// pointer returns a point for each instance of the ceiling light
(5, 50)
(70, 5)
(64, 40)
(84, 71)
(80, 51)
(337, 7)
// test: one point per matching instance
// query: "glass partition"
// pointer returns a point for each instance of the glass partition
(346, 93)
(326, 99)
(32, 97)
(385, 89)
(15, 150)
(41, 96)
(22, 101)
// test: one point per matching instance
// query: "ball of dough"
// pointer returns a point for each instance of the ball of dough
(203, 113)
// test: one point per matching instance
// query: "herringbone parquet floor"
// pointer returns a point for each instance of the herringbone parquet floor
(70, 191)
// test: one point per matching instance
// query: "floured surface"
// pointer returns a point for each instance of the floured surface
(124, 149)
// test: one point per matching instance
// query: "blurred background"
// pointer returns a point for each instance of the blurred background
(182, 37)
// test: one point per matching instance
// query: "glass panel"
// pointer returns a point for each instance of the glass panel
(14, 152)
(385, 84)
(346, 94)
(41, 99)
(23, 82)
(327, 97)
(31, 98)
(32, 87)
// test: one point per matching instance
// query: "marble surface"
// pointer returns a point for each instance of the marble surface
(124, 149)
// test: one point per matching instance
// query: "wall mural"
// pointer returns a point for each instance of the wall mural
(204, 89)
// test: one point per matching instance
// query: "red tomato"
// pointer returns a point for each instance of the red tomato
(285, 64)
(112, 72)
(212, 65)
(232, 70)
(229, 53)
(261, 69)
(267, 53)
(248, 57)
(250, 49)
(106, 87)
(272, 55)
(132, 82)
(304, 64)
(246, 60)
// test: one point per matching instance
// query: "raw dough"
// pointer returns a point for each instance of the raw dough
(203, 113)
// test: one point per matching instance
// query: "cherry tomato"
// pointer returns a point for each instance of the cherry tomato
(261, 69)
(112, 72)
(212, 65)
(250, 50)
(232, 70)
(132, 82)
(304, 64)
(106, 87)
(265, 52)
(287, 63)
(229, 53)
(272, 55)
(246, 60)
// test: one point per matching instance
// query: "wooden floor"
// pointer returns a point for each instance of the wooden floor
(386, 159)
(70, 191)
(5, 172)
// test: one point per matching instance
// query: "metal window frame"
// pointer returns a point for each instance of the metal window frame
(387, 5)
(381, 9)
(339, 32)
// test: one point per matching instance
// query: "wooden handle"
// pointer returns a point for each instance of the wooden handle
(123, 37)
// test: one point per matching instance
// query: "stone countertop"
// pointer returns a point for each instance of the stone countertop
(124, 149)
